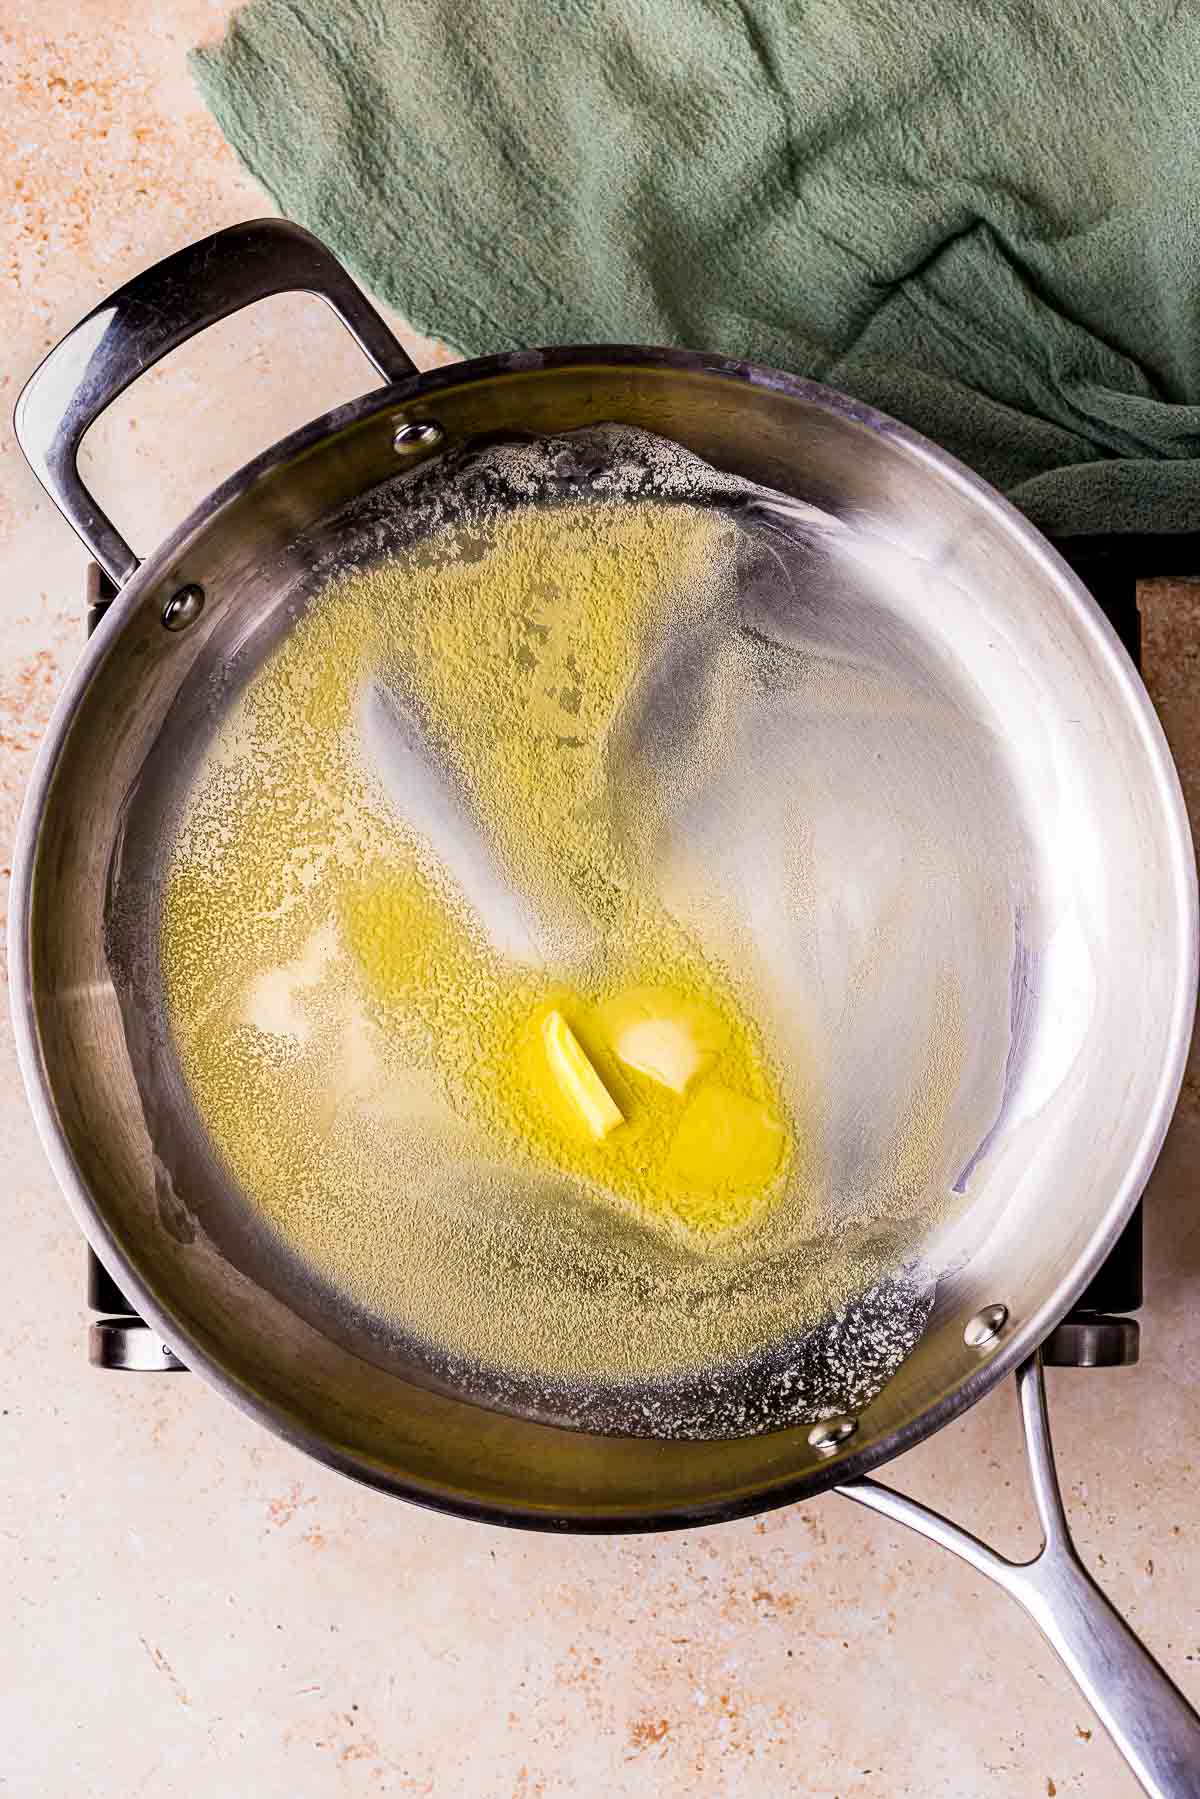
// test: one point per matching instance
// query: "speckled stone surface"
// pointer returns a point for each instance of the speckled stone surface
(191, 1607)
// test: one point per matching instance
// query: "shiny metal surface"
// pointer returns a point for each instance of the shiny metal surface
(151, 316)
(420, 438)
(1096, 787)
(828, 1437)
(1143, 1711)
(128, 1346)
(1080, 1033)
(184, 607)
(1093, 1342)
(1097, 776)
(984, 1329)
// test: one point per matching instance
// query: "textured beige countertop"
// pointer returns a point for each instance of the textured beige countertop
(192, 1608)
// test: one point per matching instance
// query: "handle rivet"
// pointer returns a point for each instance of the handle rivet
(982, 1330)
(829, 1436)
(184, 607)
(417, 434)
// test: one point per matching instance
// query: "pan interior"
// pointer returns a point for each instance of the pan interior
(805, 781)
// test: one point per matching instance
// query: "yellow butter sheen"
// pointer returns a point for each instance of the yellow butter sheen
(578, 1079)
(663, 1034)
(725, 1143)
(521, 658)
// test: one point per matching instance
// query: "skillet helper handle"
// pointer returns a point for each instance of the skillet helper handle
(1148, 1718)
(151, 316)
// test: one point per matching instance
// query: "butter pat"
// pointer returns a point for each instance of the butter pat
(578, 1079)
(725, 1142)
(656, 1032)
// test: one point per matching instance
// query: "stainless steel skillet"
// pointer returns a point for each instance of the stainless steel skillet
(1082, 1016)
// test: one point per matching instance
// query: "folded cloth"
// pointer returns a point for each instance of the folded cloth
(982, 216)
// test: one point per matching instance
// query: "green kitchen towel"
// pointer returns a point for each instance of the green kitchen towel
(982, 216)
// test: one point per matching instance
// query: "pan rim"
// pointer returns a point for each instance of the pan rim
(1023, 1339)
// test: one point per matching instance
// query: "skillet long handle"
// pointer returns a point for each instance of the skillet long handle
(1142, 1709)
(149, 317)
(1148, 1718)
